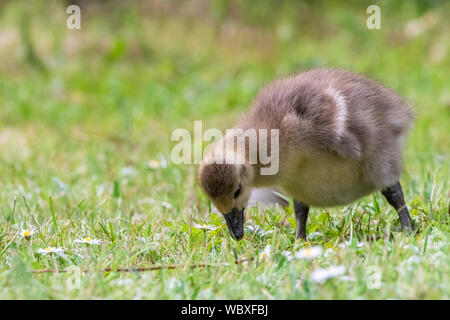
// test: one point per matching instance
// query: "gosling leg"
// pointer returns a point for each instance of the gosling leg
(301, 215)
(394, 195)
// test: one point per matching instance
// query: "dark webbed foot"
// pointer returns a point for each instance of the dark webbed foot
(301, 215)
(394, 195)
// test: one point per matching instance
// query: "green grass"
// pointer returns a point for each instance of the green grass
(80, 127)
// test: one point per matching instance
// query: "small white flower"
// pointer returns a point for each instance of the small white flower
(265, 253)
(313, 235)
(27, 233)
(57, 251)
(287, 254)
(61, 185)
(414, 260)
(328, 252)
(348, 243)
(322, 275)
(157, 236)
(209, 227)
(413, 248)
(437, 258)
(308, 253)
(436, 246)
(347, 278)
(88, 241)
(305, 253)
(162, 161)
(154, 245)
(78, 254)
(254, 228)
(166, 204)
(128, 171)
(155, 164)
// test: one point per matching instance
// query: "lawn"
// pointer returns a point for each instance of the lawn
(86, 118)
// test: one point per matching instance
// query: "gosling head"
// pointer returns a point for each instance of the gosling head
(228, 186)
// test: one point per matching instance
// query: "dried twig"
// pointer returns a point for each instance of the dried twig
(198, 265)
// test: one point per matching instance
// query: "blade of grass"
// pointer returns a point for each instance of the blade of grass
(55, 224)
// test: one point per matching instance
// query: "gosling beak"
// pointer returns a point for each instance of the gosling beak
(235, 223)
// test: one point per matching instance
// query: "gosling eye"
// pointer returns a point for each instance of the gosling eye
(238, 192)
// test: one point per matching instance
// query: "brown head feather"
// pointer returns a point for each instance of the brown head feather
(217, 179)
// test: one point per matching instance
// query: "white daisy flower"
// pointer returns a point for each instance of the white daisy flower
(314, 235)
(412, 248)
(166, 204)
(209, 227)
(265, 253)
(88, 241)
(61, 185)
(344, 244)
(414, 260)
(347, 278)
(27, 233)
(162, 161)
(287, 254)
(79, 254)
(155, 164)
(48, 250)
(328, 252)
(157, 236)
(305, 253)
(308, 253)
(254, 228)
(348, 243)
(128, 171)
(153, 244)
(322, 275)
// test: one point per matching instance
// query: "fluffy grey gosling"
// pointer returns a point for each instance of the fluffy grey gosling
(340, 138)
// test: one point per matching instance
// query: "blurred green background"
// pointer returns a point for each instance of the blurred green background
(88, 114)
(111, 93)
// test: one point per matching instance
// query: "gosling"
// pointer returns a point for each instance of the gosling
(340, 137)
